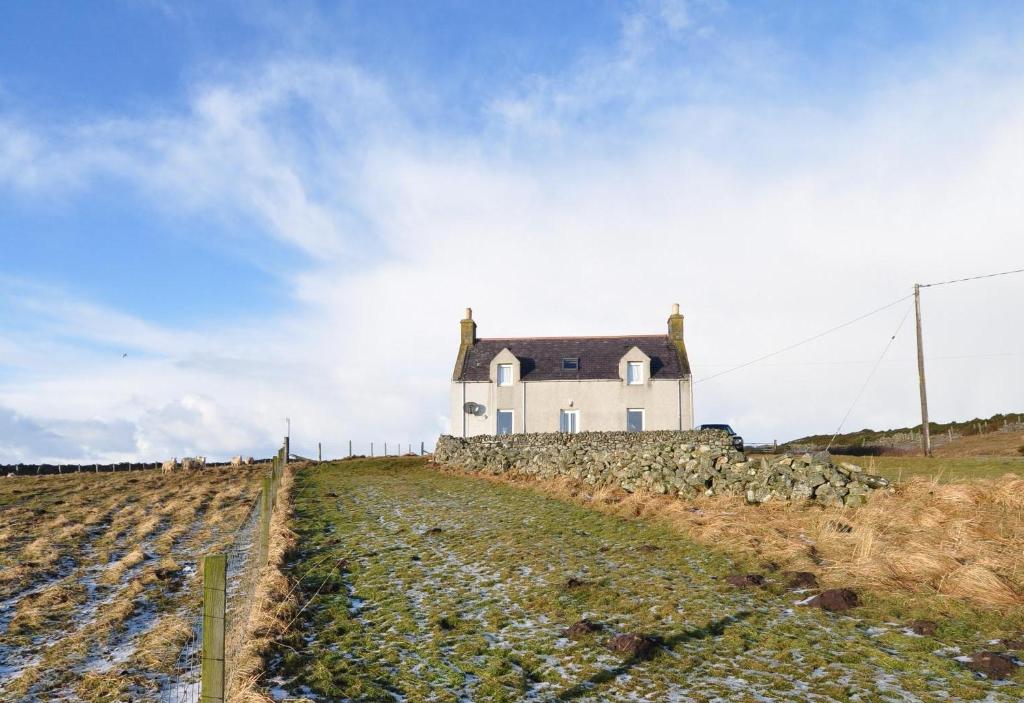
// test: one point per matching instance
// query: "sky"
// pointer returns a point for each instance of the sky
(216, 216)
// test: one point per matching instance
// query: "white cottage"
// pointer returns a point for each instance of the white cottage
(571, 384)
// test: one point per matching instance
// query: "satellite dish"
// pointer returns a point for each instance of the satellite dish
(469, 408)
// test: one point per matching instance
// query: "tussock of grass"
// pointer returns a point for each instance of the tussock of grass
(113, 574)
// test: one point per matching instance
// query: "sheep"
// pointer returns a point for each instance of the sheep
(236, 461)
(189, 463)
(169, 466)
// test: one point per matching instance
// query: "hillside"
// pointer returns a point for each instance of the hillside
(999, 435)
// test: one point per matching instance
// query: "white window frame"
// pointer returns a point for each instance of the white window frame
(638, 379)
(575, 413)
(643, 419)
(511, 425)
(508, 378)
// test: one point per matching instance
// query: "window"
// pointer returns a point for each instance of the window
(504, 422)
(635, 420)
(504, 374)
(571, 363)
(635, 373)
(569, 421)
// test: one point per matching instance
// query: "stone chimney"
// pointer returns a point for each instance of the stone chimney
(468, 329)
(675, 336)
(675, 324)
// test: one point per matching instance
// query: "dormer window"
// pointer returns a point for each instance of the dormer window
(571, 363)
(504, 374)
(635, 373)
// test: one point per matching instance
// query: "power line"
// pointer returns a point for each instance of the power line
(805, 341)
(853, 362)
(868, 380)
(971, 278)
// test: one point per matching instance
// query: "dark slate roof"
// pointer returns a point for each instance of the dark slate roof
(540, 358)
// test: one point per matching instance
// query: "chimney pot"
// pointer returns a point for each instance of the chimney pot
(469, 313)
(675, 308)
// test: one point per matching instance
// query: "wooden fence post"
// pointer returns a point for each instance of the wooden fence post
(319, 452)
(214, 591)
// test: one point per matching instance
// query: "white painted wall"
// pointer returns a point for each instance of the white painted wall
(602, 404)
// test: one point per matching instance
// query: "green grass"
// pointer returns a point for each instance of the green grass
(944, 469)
(424, 586)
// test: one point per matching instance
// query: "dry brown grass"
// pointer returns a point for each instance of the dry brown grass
(953, 541)
(159, 647)
(146, 522)
(990, 444)
(275, 603)
(116, 570)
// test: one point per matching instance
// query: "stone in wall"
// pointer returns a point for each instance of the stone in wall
(686, 464)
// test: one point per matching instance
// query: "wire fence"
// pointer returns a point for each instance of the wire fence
(182, 685)
(358, 450)
(203, 670)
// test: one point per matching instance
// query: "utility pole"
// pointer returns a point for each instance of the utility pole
(926, 440)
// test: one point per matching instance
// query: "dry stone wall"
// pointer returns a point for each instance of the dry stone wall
(677, 463)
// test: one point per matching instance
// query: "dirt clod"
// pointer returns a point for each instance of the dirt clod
(580, 629)
(648, 548)
(993, 664)
(923, 627)
(632, 645)
(835, 600)
(745, 580)
(573, 582)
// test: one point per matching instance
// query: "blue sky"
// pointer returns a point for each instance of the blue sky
(282, 211)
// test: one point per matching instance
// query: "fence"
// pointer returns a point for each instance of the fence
(375, 449)
(761, 447)
(203, 669)
(64, 469)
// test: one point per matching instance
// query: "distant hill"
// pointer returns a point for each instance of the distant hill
(999, 435)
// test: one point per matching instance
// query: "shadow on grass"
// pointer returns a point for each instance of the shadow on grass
(713, 629)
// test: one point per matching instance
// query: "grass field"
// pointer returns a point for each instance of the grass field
(97, 584)
(425, 586)
(944, 469)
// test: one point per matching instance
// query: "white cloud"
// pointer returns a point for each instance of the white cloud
(767, 226)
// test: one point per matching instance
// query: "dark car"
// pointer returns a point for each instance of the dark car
(737, 441)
